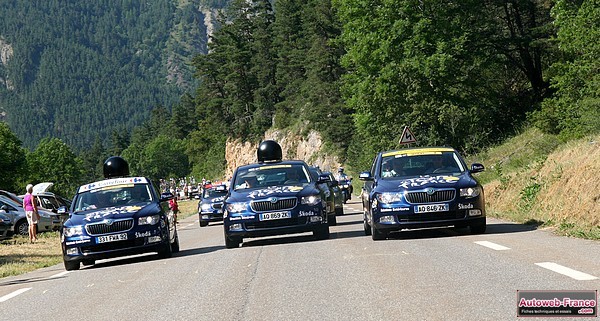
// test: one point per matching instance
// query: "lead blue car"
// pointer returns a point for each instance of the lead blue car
(117, 217)
(421, 187)
(274, 197)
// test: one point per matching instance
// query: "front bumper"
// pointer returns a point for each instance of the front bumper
(214, 216)
(306, 219)
(139, 240)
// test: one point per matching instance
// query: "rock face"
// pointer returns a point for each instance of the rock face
(6, 53)
(293, 146)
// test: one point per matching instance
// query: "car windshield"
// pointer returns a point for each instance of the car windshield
(213, 192)
(113, 196)
(271, 175)
(432, 163)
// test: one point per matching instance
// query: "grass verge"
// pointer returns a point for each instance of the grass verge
(18, 255)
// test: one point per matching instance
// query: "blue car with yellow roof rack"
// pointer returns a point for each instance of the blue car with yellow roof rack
(115, 217)
(421, 187)
(274, 197)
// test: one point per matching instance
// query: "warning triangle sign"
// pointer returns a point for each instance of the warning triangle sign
(407, 136)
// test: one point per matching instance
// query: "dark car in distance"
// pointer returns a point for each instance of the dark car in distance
(421, 187)
(210, 206)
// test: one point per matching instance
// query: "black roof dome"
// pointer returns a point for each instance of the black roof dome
(115, 166)
(269, 151)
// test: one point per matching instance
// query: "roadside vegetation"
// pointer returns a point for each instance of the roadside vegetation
(534, 179)
(18, 255)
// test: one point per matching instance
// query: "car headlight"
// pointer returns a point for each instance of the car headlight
(149, 220)
(236, 207)
(389, 197)
(470, 192)
(73, 230)
(205, 207)
(311, 200)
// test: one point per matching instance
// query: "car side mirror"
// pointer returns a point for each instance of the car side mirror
(476, 168)
(166, 196)
(365, 176)
(5, 208)
(323, 179)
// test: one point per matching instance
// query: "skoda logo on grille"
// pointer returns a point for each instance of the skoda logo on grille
(273, 200)
(430, 191)
(109, 222)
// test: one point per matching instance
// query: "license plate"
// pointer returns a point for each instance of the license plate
(275, 216)
(431, 208)
(111, 238)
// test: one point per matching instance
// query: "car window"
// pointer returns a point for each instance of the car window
(113, 196)
(271, 175)
(433, 163)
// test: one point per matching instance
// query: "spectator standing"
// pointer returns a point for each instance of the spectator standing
(31, 212)
(174, 207)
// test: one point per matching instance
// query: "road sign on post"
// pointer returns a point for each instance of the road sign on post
(407, 136)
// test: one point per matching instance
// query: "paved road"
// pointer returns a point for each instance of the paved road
(432, 274)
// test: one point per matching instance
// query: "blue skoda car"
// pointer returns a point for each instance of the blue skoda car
(274, 197)
(117, 217)
(421, 187)
(210, 207)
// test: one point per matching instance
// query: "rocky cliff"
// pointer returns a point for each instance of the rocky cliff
(294, 146)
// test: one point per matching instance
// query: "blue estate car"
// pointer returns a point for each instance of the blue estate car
(274, 197)
(210, 206)
(117, 217)
(421, 187)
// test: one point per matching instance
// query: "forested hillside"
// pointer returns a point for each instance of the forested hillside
(467, 74)
(77, 70)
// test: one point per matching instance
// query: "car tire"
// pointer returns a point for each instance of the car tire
(166, 251)
(332, 219)
(322, 232)
(232, 242)
(22, 228)
(478, 228)
(71, 265)
(175, 245)
(339, 211)
(377, 235)
(366, 225)
(203, 223)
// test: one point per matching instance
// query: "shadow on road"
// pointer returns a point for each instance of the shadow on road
(494, 228)
(279, 240)
(339, 223)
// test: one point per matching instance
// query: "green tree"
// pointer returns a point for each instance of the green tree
(164, 157)
(53, 161)
(12, 160)
(575, 109)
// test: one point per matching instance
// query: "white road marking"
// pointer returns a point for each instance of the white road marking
(493, 246)
(14, 294)
(59, 274)
(566, 271)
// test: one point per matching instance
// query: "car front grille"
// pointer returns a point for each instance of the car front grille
(103, 228)
(280, 204)
(443, 195)
(217, 206)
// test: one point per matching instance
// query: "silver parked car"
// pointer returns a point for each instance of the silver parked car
(14, 210)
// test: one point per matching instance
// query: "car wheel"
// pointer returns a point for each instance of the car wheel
(203, 223)
(321, 232)
(22, 228)
(377, 235)
(366, 225)
(175, 245)
(478, 228)
(166, 251)
(71, 265)
(339, 211)
(88, 262)
(332, 220)
(232, 242)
